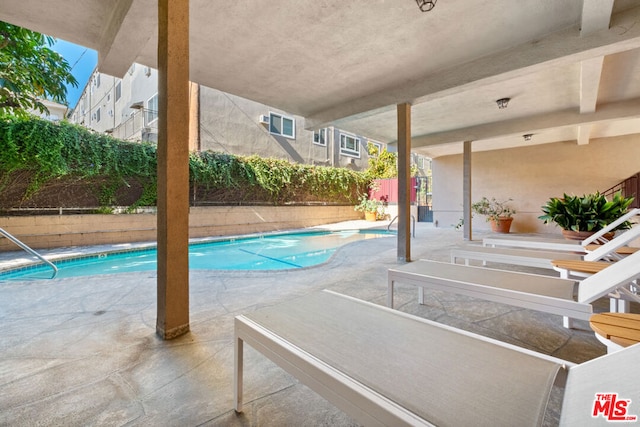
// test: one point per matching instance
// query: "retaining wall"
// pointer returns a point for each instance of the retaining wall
(54, 231)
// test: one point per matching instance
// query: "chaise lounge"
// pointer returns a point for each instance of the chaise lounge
(387, 368)
(542, 293)
(559, 244)
(613, 250)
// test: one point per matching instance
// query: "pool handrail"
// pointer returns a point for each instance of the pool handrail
(29, 250)
(413, 221)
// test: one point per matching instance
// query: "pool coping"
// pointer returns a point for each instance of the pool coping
(27, 262)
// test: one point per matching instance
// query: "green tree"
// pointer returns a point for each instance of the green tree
(30, 71)
(382, 164)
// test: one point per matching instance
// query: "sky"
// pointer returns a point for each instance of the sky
(82, 61)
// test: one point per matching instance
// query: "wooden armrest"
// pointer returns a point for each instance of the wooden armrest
(582, 266)
(621, 328)
(624, 250)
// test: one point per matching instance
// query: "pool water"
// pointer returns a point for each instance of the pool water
(270, 252)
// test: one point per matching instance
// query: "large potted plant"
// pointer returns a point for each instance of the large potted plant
(581, 216)
(498, 213)
(372, 208)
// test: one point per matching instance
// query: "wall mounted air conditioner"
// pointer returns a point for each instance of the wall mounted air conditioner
(264, 119)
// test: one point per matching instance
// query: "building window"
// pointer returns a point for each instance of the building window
(282, 125)
(98, 80)
(118, 90)
(349, 145)
(98, 115)
(320, 137)
(151, 110)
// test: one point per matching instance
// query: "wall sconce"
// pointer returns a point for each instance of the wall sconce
(426, 5)
(527, 136)
(503, 102)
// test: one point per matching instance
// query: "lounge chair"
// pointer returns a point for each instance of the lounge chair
(613, 250)
(558, 244)
(387, 368)
(542, 293)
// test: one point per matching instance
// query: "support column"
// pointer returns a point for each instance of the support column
(466, 191)
(194, 117)
(173, 168)
(404, 182)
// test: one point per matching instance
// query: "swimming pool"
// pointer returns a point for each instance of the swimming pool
(264, 252)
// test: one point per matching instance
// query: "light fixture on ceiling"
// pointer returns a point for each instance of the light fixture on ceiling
(527, 136)
(503, 102)
(426, 5)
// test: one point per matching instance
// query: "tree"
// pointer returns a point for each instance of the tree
(382, 164)
(30, 71)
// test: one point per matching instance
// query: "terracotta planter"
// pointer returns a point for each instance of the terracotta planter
(371, 216)
(581, 235)
(502, 225)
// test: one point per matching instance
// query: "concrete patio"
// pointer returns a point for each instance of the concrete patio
(83, 351)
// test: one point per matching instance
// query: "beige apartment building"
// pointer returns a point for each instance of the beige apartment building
(127, 108)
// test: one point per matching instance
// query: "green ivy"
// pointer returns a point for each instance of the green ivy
(49, 151)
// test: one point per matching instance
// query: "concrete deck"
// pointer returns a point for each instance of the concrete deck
(83, 351)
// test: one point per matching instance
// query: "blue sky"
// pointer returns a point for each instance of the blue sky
(82, 60)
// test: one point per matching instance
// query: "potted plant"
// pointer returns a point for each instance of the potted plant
(498, 213)
(372, 208)
(581, 216)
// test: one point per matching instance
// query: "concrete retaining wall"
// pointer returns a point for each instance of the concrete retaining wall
(52, 231)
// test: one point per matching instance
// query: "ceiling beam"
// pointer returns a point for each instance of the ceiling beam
(583, 134)
(558, 49)
(126, 35)
(590, 72)
(533, 124)
(596, 15)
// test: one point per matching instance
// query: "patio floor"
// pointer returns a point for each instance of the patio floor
(83, 351)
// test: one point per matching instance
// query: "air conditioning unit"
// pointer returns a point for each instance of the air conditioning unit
(264, 119)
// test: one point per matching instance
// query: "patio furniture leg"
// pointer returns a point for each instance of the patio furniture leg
(390, 294)
(623, 306)
(420, 295)
(237, 373)
(567, 322)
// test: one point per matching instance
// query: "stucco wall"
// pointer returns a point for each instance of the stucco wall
(530, 176)
(78, 230)
(230, 124)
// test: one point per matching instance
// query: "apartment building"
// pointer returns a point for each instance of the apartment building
(127, 109)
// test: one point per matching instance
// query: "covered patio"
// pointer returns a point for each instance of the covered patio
(82, 351)
(434, 81)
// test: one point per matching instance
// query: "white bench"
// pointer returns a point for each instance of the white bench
(387, 368)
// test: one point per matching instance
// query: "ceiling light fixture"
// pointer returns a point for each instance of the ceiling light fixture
(527, 136)
(426, 5)
(503, 102)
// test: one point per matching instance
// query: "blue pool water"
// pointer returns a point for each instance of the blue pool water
(271, 252)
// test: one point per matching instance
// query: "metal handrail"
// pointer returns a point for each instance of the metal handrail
(29, 250)
(413, 222)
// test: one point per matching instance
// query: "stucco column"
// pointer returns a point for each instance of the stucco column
(194, 116)
(404, 182)
(466, 191)
(173, 168)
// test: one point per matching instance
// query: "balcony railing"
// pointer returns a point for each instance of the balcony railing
(138, 127)
(630, 187)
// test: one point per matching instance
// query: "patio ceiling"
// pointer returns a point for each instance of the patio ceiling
(570, 67)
